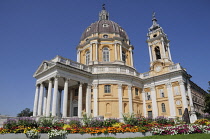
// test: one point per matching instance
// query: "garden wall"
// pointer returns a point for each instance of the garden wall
(79, 136)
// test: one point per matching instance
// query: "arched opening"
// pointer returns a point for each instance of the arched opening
(87, 57)
(123, 56)
(157, 52)
(108, 108)
(106, 54)
(163, 107)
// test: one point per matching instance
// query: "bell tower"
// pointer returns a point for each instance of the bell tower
(158, 44)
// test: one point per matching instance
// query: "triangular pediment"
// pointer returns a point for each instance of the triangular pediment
(44, 66)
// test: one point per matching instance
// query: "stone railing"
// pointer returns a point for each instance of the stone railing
(112, 69)
(71, 63)
(171, 68)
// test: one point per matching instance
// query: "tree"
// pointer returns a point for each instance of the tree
(25, 113)
(207, 101)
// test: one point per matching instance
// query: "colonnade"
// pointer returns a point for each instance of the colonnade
(44, 106)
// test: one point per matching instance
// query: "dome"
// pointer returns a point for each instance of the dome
(104, 25)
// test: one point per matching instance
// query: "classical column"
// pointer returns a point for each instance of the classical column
(80, 101)
(65, 97)
(131, 55)
(55, 97)
(78, 56)
(144, 103)
(59, 103)
(120, 100)
(95, 101)
(71, 107)
(171, 100)
(36, 100)
(91, 52)
(96, 51)
(49, 95)
(169, 52)
(183, 93)
(40, 100)
(154, 102)
(150, 54)
(45, 101)
(88, 100)
(130, 100)
(121, 52)
(163, 48)
(115, 51)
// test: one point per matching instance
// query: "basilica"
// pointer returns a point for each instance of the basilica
(104, 82)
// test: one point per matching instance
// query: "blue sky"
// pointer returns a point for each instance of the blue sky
(33, 31)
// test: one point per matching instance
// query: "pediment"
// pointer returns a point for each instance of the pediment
(45, 65)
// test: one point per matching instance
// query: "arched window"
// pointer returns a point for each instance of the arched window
(108, 108)
(157, 53)
(87, 57)
(163, 107)
(106, 54)
(123, 56)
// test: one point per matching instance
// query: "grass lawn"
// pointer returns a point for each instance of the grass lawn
(191, 136)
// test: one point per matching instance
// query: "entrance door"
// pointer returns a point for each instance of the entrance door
(150, 114)
(75, 113)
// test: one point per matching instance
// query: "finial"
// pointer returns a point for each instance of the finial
(103, 7)
(153, 16)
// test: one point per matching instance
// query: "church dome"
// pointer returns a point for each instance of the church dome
(104, 26)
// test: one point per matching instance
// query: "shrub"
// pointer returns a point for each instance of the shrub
(27, 122)
(74, 123)
(96, 123)
(10, 123)
(109, 122)
(130, 119)
(46, 122)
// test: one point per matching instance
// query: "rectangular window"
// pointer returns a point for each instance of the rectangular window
(136, 91)
(76, 92)
(107, 88)
(176, 90)
(148, 96)
(180, 111)
(161, 93)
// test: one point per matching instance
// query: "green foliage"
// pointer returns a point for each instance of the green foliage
(207, 103)
(75, 123)
(10, 123)
(46, 122)
(109, 122)
(86, 120)
(25, 113)
(130, 119)
(27, 122)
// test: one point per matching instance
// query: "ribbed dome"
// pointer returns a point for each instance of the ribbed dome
(104, 26)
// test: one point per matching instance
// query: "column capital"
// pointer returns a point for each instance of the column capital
(181, 82)
(129, 87)
(120, 86)
(152, 88)
(89, 86)
(66, 79)
(50, 80)
(95, 86)
(168, 85)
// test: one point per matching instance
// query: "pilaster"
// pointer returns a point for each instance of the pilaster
(171, 100)
(95, 101)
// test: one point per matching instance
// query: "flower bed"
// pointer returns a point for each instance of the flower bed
(52, 127)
